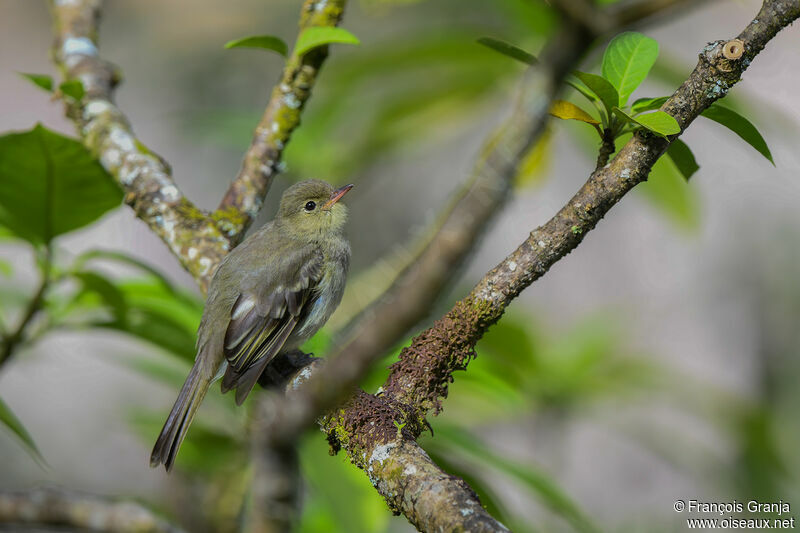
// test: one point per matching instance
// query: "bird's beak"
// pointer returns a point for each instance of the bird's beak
(337, 195)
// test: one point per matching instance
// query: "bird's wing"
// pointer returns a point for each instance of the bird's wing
(264, 315)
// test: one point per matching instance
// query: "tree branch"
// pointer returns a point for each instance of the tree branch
(282, 115)
(431, 499)
(599, 21)
(419, 379)
(198, 239)
(275, 491)
(399, 468)
(78, 512)
(586, 14)
(195, 239)
(646, 10)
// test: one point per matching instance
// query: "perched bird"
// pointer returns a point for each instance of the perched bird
(269, 295)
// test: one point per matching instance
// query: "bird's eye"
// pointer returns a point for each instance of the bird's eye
(310, 205)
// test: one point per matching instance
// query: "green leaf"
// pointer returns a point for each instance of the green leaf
(682, 156)
(508, 49)
(535, 164)
(601, 87)
(627, 61)
(569, 111)
(73, 88)
(156, 328)
(267, 42)
(6, 234)
(163, 368)
(740, 126)
(316, 36)
(108, 292)
(120, 257)
(157, 315)
(50, 185)
(10, 421)
(582, 89)
(657, 122)
(6, 269)
(42, 81)
(648, 104)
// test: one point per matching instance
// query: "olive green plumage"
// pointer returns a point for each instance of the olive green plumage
(269, 295)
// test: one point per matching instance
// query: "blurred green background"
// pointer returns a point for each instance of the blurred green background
(656, 362)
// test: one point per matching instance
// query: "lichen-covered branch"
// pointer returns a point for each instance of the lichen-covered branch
(76, 512)
(193, 236)
(281, 117)
(401, 471)
(430, 498)
(419, 379)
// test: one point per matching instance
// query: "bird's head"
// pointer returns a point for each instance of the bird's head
(311, 209)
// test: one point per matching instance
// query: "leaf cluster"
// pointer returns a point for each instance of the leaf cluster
(626, 63)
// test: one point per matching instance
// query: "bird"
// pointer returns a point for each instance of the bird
(268, 296)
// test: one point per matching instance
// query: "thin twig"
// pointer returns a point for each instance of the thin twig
(647, 10)
(586, 14)
(12, 339)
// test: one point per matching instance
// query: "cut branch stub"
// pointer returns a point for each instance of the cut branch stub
(733, 49)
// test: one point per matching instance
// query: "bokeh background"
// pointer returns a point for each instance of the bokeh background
(656, 362)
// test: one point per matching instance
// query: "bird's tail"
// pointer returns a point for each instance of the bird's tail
(177, 424)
